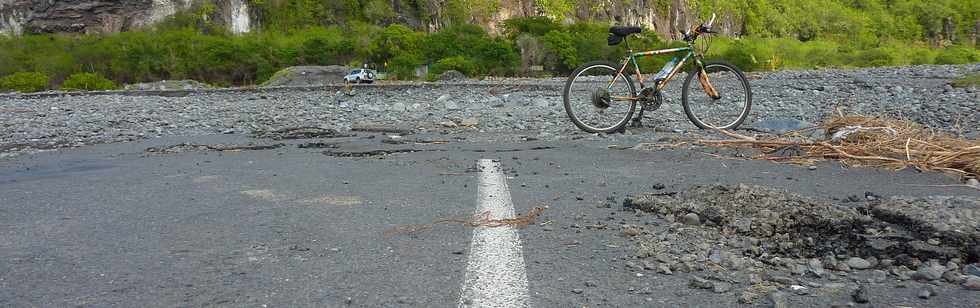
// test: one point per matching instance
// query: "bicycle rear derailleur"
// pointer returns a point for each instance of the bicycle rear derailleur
(650, 99)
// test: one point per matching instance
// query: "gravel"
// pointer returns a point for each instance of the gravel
(858, 263)
(529, 106)
(753, 240)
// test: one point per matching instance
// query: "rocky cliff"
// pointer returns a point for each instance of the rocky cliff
(86, 16)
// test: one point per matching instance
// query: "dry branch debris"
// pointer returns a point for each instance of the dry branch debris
(478, 220)
(869, 141)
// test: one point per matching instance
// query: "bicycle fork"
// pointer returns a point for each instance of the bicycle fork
(706, 84)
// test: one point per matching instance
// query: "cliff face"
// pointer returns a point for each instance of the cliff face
(86, 16)
(667, 18)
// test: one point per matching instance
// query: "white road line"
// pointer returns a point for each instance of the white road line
(495, 274)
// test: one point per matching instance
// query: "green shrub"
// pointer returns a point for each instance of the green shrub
(753, 55)
(403, 66)
(822, 56)
(970, 80)
(957, 55)
(24, 82)
(326, 47)
(874, 57)
(534, 25)
(923, 56)
(87, 82)
(458, 63)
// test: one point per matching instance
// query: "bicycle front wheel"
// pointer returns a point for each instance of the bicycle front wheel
(598, 99)
(719, 99)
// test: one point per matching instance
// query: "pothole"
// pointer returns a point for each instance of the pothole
(191, 147)
(318, 145)
(372, 153)
(300, 133)
(764, 223)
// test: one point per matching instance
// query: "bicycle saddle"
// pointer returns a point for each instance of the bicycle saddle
(624, 31)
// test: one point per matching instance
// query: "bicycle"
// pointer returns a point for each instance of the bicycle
(609, 92)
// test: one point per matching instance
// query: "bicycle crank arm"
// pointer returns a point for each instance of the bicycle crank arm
(624, 98)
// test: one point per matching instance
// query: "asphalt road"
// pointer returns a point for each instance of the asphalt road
(111, 225)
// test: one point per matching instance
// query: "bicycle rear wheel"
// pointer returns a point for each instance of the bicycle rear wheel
(725, 109)
(598, 101)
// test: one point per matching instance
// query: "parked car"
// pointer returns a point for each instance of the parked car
(360, 75)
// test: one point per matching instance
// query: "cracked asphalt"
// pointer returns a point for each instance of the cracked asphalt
(115, 226)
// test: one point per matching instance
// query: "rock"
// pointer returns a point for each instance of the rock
(700, 283)
(399, 107)
(858, 263)
(782, 280)
(974, 183)
(878, 276)
(443, 98)
(295, 76)
(860, 295)
(799, 290)
(449, 124)
(715, 256)
(542, 103)
(972, 283)
(471, 122)
(691, 219)
(972, 269)
(721, 287)
(663, 268)
(954, 277)
(778, 300)
(590, 284)
(781, 125)
(165, 85)
(648, 265)
(577, 291)
(452, 75)
(816, 267)
(925, 293)
(747, 297)
(928, 272)
(451, 105)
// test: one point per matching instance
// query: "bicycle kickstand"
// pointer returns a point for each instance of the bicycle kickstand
(637, 121)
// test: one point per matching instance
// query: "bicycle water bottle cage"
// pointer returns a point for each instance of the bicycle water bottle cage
(600, 98)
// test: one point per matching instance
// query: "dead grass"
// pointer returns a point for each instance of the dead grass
(869, 141)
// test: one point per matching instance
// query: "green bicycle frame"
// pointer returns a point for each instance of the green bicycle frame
(639, 77)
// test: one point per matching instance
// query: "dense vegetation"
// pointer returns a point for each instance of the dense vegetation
(970, 80)
(775, 34)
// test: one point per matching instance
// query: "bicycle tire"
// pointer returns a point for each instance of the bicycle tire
(685, 96)
(567, 102)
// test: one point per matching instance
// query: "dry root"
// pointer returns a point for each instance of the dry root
(479, 220)
(869, 141)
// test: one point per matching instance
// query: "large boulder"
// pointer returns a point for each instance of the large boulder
(168, 85)
(299, 76)
(451, 75)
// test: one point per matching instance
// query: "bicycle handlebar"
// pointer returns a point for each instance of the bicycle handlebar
(693, 33)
